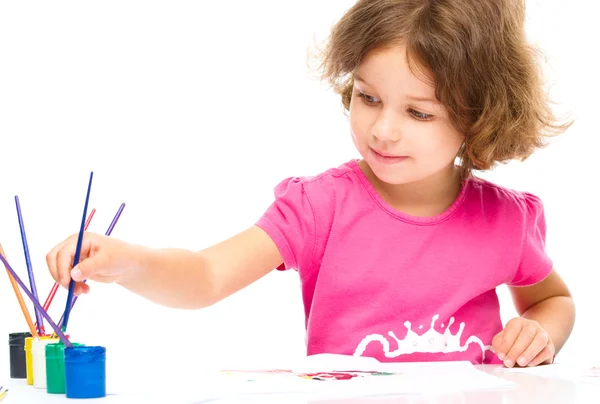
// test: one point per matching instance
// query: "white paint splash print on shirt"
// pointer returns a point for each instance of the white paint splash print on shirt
(430, 342)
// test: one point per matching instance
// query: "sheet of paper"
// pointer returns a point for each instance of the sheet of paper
(576, 373)
(368, 378)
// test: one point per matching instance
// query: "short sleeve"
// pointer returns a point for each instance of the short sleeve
(290, 222)
(534, 264)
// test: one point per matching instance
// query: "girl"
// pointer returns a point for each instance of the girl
(400, 253)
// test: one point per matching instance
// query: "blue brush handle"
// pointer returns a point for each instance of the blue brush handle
(108, 232)
(69, 304)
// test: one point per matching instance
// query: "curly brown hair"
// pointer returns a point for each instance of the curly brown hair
(476, 51)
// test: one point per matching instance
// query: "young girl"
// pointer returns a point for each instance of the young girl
(400, 253)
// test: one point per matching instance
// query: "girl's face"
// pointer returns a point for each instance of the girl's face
(400, 129)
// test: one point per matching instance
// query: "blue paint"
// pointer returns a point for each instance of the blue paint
(85, 372)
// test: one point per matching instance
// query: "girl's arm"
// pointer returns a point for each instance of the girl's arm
(171, 277)
(547, 317)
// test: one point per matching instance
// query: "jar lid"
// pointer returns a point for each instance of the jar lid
(18, 338)
(56, 349)
(85, 353)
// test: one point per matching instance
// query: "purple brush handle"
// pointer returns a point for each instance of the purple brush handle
(36, 303)
(108, 233)
(38, 317)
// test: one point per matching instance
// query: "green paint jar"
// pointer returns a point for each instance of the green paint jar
(55, 368)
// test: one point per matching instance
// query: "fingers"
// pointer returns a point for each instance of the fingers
(523, 342)
(51, 261)
(81, 289)
(536, 346)
(87, 268)
(64, 262)
(60, 258)
(497, 342)
(546, 355)
(509, 336)
(526, 337)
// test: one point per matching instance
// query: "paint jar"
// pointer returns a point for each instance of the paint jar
(29, 360)
(85, 372)
(38, 356)
(29, 356)
(55, 367)
(18, 360)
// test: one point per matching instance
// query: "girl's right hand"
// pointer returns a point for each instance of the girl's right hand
(172, 277)
(102, 259)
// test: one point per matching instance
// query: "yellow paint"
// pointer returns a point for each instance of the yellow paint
(29, 358)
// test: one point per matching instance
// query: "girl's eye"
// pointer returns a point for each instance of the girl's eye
(368, 99)
(420, 115)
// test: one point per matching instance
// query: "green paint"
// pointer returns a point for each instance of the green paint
(55, 368)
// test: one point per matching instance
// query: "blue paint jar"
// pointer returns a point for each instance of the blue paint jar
(85, 372)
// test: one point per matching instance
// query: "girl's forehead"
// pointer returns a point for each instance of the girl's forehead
(390, 67)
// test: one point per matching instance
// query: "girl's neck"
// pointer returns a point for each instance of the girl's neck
(430, 196)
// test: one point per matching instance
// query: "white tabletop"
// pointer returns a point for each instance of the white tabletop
(529, 388)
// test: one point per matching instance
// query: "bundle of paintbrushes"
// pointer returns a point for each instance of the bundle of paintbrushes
(51, 361)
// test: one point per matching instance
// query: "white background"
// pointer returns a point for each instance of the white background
(191, 112)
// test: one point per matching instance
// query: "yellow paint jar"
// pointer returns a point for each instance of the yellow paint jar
(29, 358)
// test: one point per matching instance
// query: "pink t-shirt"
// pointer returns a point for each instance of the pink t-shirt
(380, 283)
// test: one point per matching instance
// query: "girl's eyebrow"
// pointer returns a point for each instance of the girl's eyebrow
(417, 98)
(422, 99)
(358, 77)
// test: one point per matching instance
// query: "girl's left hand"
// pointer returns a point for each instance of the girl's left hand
(523, 342)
